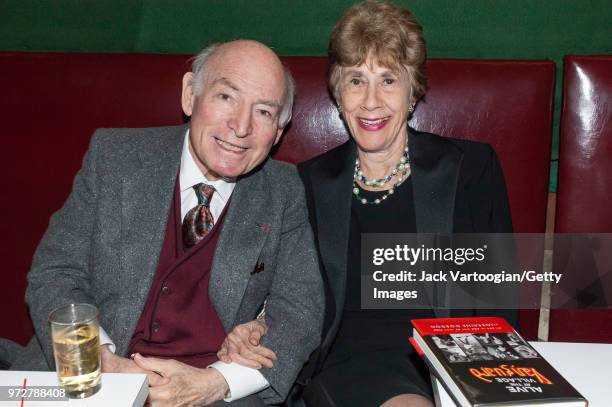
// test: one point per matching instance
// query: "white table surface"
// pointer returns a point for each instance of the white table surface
(587, 366)
(118, 390)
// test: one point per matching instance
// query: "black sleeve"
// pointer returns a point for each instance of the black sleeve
(497, 220)
(489, 198)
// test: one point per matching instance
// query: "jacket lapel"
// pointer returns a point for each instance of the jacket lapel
(146, 199)
(239, 246)
(332, 187)
(435, 165)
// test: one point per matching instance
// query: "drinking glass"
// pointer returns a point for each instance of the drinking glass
(75, 333)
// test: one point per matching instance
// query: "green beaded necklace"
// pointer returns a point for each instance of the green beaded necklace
(402, 168)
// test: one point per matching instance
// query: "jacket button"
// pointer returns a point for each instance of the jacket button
(166, 290)
(155, 327)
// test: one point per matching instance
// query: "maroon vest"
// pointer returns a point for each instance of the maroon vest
(178, 320)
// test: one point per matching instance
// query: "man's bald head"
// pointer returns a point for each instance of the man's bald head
(249, 53)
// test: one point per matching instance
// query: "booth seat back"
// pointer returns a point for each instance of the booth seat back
(53, 102)
(585, 181)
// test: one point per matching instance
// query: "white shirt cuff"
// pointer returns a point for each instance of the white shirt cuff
(241, 380)
(106, 340)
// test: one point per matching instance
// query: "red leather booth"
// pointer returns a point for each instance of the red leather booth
(585, 180)
(52, 103)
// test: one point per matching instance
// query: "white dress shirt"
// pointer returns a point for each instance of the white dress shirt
(241, 380)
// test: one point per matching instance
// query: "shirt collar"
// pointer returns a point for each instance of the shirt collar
(191, 175)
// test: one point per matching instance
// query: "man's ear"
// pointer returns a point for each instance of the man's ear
(187, 94)
(280, 131)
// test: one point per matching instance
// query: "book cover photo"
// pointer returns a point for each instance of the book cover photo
(484, 362)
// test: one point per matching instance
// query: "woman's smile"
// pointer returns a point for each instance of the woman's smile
(373, 124)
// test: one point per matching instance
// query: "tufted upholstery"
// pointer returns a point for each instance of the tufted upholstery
(585, 179)
(52, 103)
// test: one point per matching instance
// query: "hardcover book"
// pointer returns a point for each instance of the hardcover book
(484, 362)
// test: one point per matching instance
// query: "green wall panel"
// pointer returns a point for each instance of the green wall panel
(518, 29)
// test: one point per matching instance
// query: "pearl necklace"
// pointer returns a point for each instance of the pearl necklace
(402, 168)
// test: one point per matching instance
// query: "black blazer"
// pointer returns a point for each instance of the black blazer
(458, 187)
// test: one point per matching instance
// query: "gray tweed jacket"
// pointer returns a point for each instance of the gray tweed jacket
(102, 247)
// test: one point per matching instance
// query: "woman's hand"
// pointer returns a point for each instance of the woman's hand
(242, 346)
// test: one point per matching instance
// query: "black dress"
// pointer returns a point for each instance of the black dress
(371, 351)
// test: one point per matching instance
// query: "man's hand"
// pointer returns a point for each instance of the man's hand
(185, 385)
(112, 363)
(242, 346)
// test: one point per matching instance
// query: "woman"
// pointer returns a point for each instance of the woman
(386, 178)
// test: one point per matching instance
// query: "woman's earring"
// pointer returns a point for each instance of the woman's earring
(340, 109)
(411, 107)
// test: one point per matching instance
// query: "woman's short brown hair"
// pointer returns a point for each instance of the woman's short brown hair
(389, 33)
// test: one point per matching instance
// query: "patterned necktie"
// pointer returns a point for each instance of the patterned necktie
(198, 221)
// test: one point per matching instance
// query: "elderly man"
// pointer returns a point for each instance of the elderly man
(180, 234)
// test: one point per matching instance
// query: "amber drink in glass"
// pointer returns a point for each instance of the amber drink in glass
(75, 333)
